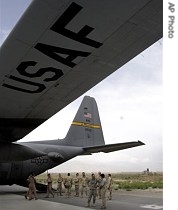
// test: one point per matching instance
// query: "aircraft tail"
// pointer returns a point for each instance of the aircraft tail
(86, 130)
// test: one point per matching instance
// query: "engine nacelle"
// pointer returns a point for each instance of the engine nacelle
(17, 152)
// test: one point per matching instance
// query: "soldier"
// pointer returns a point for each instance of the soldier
(49, 186)
(98, 189)
(76, 181)
(68, 185)
(59, 185)
(32, 188)
(92, 192)
(109, 186)
(102, 187)
(84, 184)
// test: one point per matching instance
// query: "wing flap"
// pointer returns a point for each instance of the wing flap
(112, 147)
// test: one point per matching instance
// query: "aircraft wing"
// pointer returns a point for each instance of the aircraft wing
(59, 49)
(111, 147)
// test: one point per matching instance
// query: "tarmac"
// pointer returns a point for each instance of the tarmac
(17, 202)
(12, 198)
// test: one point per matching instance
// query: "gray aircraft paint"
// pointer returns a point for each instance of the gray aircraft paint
(84, 137)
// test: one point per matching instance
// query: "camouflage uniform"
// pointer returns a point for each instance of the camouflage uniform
(32, 188)
(68, 184)
(109, 186)
(49, 186)
(92, 192)
(59, 185)
(84, 184)
(76, 182)
(98, 188)
(103, 191)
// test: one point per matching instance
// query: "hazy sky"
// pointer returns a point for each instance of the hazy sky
(130, 106)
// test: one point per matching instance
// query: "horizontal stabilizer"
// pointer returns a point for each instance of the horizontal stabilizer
(112, 147)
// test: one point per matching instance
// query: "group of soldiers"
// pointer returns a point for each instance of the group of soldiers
(97, 185)
(94, 186)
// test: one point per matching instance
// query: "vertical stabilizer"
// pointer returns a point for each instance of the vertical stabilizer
(86, 127)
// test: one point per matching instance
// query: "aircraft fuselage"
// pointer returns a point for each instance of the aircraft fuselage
(13, 172)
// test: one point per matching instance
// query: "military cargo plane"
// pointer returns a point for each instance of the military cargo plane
(57, 51)
(84, 137)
